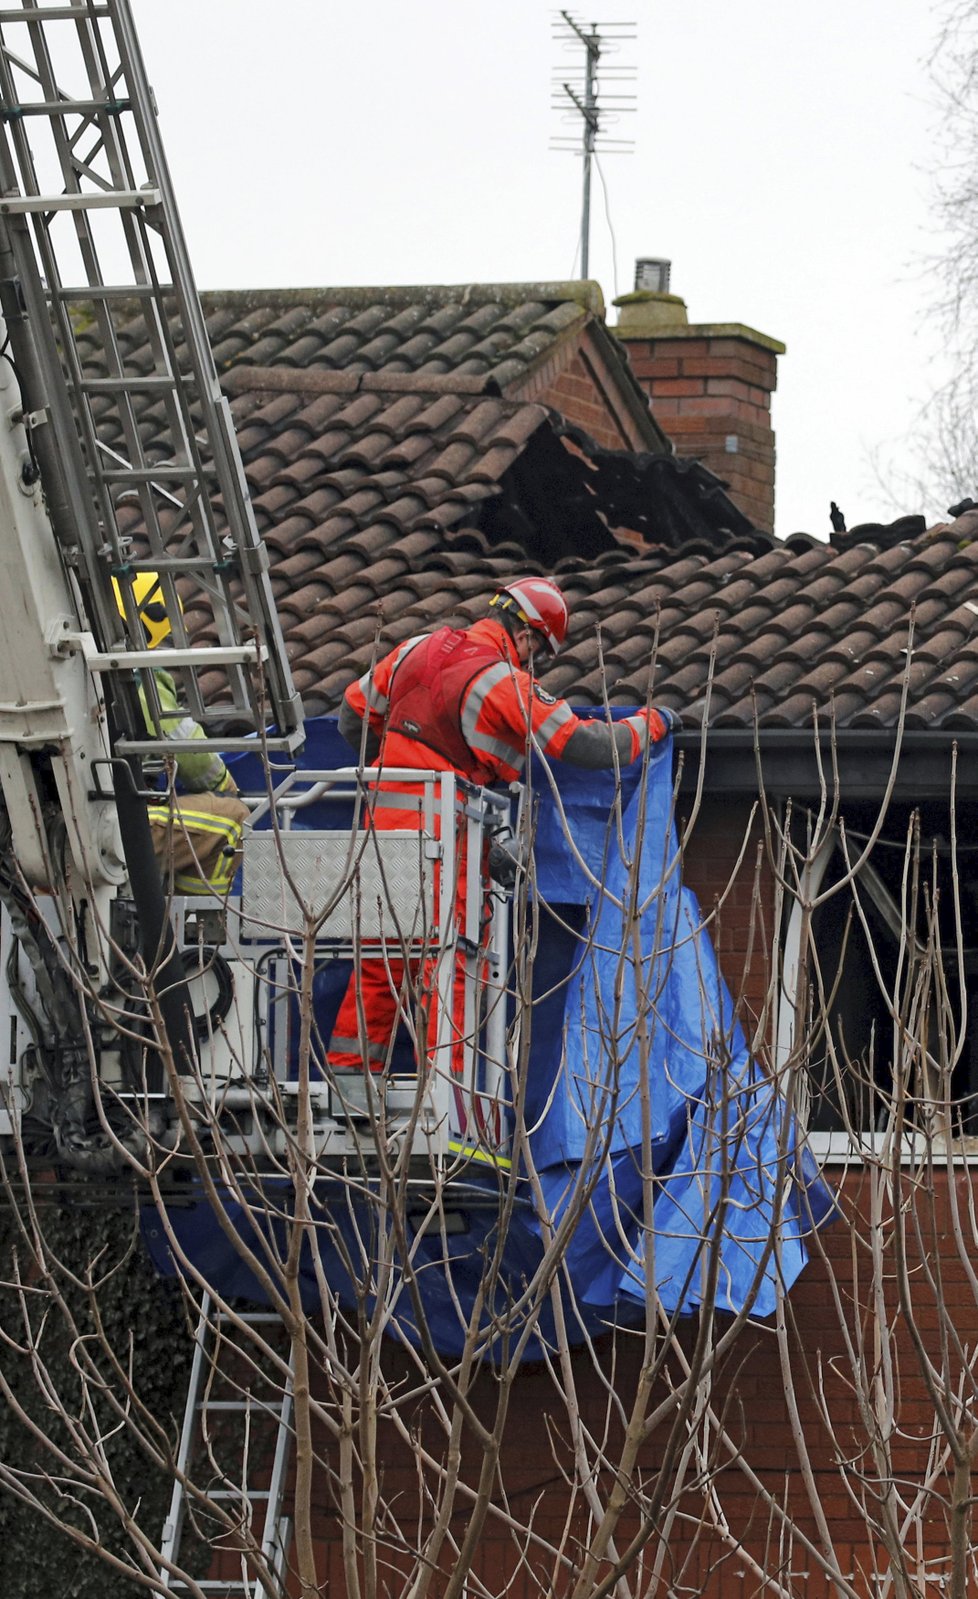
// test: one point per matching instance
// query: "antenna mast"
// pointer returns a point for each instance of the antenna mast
(580, 98)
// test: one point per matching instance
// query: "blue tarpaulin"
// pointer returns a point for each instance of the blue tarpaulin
(648, 1122)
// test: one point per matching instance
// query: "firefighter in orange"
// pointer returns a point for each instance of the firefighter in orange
(465, 700)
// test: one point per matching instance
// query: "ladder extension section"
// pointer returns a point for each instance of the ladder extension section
(91, 247)
(228, 1398)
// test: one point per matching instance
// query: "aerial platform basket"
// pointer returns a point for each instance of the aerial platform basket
(356, 894)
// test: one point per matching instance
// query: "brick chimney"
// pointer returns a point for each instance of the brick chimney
(710, 385)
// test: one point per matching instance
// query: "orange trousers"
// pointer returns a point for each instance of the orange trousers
(384, 992)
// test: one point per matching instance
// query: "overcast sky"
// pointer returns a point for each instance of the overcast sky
(781, 162)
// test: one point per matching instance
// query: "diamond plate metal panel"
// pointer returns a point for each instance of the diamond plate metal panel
(381, 888)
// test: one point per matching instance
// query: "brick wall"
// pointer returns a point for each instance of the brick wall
(575, 381)
(710, 387)
(578, 396)
(749, 1391)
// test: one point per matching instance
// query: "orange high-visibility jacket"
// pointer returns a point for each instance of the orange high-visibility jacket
(496, 712)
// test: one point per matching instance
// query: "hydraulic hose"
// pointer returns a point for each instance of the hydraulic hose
(157, 942)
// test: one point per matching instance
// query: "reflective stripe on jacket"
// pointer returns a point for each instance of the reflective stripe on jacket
(201, 847)
(500, 708)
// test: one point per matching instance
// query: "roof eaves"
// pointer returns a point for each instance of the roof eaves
(795, 761)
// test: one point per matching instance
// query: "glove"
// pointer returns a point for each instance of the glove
(503, 860)
(661, 721)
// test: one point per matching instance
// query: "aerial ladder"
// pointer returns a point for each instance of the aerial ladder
(88, 233)
(90, 240)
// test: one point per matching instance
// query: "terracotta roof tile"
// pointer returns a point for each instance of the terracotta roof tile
(329, 690)
(944, 644)
(957, 582)
(740, 715)
(800, 709)
(696, 628)
(737, 594)
(355, 594)
(880, 714)
(846, 702)
(964, 716)
(798, 620)
(933, 611)
(894, 559)
(731, 682)
(959, 678)
(823, 679)
(776, 680)
(929, 711)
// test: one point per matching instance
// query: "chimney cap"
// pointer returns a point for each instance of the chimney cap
(652, 272)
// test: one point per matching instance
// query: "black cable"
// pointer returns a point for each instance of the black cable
(214, 964)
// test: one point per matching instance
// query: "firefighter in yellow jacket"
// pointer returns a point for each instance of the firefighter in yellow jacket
(197, 834)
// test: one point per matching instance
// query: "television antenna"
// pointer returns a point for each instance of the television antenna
(597, 102)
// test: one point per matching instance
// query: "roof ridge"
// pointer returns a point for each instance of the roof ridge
(314, 380)
(585, 292)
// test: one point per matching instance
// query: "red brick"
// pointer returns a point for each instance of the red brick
(689, 423)
(713, 366)
(678, 349)
(651, 366)
(740, 390)
(717, 406)
(677, 386)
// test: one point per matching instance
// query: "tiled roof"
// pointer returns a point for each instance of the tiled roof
(401, 504)
(396, 485)
(495, 332)
(776, 637)
(491, 331)
(783, 632)
(387, 511)
(510, 339)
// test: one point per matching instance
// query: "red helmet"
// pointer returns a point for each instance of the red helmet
(539, 603)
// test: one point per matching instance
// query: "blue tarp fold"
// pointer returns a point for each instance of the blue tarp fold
(641, 1094)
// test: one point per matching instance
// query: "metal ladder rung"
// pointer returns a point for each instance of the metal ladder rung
(196, 655)
(229, 746)
(102, 200)
(177, 564)
(154, 474)
(241, 1406)
(211, 1585)
(107, 291)
(53, 13)
(64, 108)
(133, 385)
(257, 1494)
(255, 1404)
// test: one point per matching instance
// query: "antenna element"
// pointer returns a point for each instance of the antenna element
(595, 103)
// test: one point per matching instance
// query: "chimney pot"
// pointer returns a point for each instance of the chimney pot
(652, 272)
